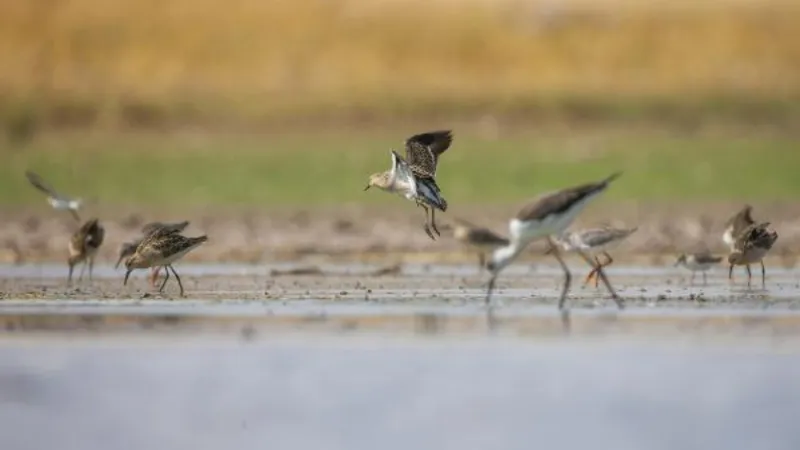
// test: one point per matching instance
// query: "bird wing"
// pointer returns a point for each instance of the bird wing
(175, 227)
(402, 172)
(39, 183)
(756, 235)
(560, 201)
(423, 150)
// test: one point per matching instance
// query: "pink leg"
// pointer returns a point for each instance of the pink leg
(154, 275)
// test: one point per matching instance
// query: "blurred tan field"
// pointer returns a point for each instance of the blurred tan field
(156, 62)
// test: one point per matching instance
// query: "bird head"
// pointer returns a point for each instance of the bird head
(379, 180)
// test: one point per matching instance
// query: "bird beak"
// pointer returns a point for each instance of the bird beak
(127, 274)
(367, 187)
(116, 266)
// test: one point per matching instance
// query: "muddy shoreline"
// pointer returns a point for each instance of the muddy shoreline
(368, 233)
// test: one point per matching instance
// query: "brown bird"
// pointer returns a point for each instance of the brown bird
(415, 177)
(161, 249)
(751, 247)
(129, 248)
(83, 246)
(481, 240)
(736, 224)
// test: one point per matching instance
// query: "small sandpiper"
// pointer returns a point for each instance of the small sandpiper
(479, 239)
(736, 224)
(129, 248)
(751, 247)
(162, 248)
(548, 216)
(593, 241)
(57, 201)
(415, 177)
(83, 246)
(698, 262)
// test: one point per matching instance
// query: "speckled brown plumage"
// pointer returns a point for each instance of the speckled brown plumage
(160, 249)
(752, 245)
(737, 224)
(83, 246)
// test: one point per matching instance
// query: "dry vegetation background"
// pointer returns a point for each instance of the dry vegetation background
(234, 62)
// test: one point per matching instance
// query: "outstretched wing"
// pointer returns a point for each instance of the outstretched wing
(39, 183)
(402, 172)
(562, 201)
(423, 150)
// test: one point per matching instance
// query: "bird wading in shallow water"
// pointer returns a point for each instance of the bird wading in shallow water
(83, 246)
(415, 177)
(548, 216)
(161, 249)
(751, 247)
(593, 241)
(698, 262)
(129, 248)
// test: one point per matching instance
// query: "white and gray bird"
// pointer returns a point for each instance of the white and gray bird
(698, 262)
(58, 201)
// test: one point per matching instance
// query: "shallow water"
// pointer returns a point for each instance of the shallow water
(356, 393)
(346, 297)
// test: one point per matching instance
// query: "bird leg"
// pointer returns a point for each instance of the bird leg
(705, 281)
(180, 285)
(154, 275)
(749, 274)
(91, 267)
(490, 288)
(69, 277)
(567, 282)
(567, 275)
(691, 280)
(730, 273)
(427, 227)
(164, 283)
(609, 261)
(763, 274)
(433, 222)
(603, 277)
(593, 272)
(83, 269)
